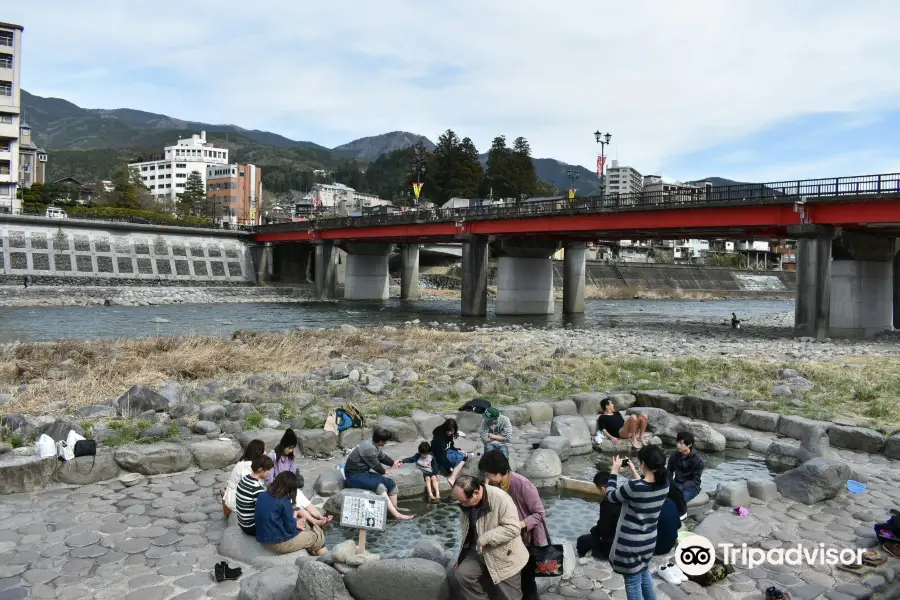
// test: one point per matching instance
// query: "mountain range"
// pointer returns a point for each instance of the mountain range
(89, 144)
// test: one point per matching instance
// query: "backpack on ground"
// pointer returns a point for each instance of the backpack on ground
(343, 420)
(356, 415)
(475, 405)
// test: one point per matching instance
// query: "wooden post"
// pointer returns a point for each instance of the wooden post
(361, 546)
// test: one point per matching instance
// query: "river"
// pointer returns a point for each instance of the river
(31, 324)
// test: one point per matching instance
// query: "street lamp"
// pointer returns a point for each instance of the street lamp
(573, 177)
(603, 140)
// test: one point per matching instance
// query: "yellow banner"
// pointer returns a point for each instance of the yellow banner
(417, 189)
(571, 193)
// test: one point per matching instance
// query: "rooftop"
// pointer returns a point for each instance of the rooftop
(11, 26)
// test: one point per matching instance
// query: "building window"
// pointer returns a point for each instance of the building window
(181, 166)
(4, 167)
(6, 119)
(5, 88)
(6, 38)
(4, 146)
(6, 61)
(180, 175)
(179, 185)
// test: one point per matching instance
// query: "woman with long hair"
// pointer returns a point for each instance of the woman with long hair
(283, 455)
(279, 527)
(240, 470)
(635, 539)
(448, 460)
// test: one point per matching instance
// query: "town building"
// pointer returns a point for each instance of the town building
(10, 111)
(236, 190)
(623, 180)
(32, 160)
(336, 198)
(655, 185)
(165, 176)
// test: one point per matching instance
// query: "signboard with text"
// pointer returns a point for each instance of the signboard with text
(364, 511)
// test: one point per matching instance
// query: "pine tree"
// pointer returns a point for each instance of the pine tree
(193, 200)
(127, 187)
(526, 181)
(454, 171)
(499, 179)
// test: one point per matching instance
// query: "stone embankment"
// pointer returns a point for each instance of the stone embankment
(146, 296)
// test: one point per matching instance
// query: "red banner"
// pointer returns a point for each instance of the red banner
(600, 161)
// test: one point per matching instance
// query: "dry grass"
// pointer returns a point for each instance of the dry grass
(608, 292)
(86, 373)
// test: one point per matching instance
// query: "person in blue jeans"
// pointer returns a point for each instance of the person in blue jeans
(686, 466)
(496, 432)
(365, 470)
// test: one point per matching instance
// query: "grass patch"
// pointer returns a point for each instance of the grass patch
(125, 433)
(88, 428)
(287, 413)
(253, 421)
(173, 431)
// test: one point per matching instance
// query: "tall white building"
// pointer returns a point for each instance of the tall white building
(337, 198)
(10, 109)
(166, 177)
(623, 180)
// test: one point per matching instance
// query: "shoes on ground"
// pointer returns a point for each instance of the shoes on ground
(667, 573)
(225, 573)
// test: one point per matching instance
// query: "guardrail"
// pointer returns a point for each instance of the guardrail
(729, 195)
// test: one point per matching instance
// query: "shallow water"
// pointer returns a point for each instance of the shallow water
(29, 324)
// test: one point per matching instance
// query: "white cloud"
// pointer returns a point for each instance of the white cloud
(665, 78)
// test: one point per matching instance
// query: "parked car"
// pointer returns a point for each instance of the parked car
(55, 213)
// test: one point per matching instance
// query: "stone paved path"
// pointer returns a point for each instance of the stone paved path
(157, 540)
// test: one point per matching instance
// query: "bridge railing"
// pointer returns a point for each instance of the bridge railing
(728, 195)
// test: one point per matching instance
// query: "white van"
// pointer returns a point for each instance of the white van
(55, 213)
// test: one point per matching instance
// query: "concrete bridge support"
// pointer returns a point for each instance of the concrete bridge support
(367, 276)
(409, 272)
(325, 272)
(845, 284)
(525, 277)
(292, 262)
(474, 276)
(573, 277)
(262, 256)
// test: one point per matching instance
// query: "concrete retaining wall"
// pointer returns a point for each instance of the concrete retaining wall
(120, 252)
(683, 277)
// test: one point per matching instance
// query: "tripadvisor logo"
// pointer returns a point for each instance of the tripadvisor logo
(695, 555)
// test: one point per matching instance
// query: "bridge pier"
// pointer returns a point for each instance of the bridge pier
(573, 277)
(325, 271)
(367, 276)
(474, 276)
(262, 256)
(525, 277)
(845, 283)
(291, 262)
(409, 272)
(897, 285)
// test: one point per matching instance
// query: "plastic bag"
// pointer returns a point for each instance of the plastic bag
(45, 446)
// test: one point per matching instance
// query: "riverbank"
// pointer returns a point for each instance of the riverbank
(402, 369)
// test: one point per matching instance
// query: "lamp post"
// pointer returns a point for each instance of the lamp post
(573, 177)
(603, 140)
(418, 174)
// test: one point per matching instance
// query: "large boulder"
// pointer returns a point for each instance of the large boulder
(410, 483)
(20, 474)
(575, 430)
(215, 454)
(670, 403)
(174, 393)
(892, 447)
(659, 421)
(588, 403)
(782, 455)
(734, 436)
(271, 437)
(399, 579)
(733, 493)
(543, 468)
(141, 399)
(623, 445)
(426, 422)
(153, 459)
(760, 420)
(430, 549)
(564, 408)
(558, 444)
(856, 438)
(725, 527)
(318, 581)
(59, 429)
(350, 438)
(403, 431)
(329, 483)
(539, 412)
(334, 503)
(814, 481)
(714, 410)
(705, 437)
(237, 545)
(275, 583)
(518, 415)
(799, 427)
(83, 470)
(469, 422)
(316, 441)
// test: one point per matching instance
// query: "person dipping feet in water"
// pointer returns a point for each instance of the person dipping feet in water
(614, 426)
(281, 528)
(365, 470)
(686, 466)
(425, 462)
(448, 460)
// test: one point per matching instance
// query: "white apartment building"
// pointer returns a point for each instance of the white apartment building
(166, 177)
(337, 197)
(655, 185)
(623, 180)
(10, 110)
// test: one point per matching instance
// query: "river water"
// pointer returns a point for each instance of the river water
(30, 324)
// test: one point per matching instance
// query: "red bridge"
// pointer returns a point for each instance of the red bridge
(846, 229)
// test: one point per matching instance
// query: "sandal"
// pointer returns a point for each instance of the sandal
(892, 548)
(853, 568)
(873, 558)
(773, 593)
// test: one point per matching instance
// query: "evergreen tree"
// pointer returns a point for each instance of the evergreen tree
(193, 200)
(127, 187)
(526, 181)
(454, 169)
(499, 179)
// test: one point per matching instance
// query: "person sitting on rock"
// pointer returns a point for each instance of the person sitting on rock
(425, 463)
(686, 466)
(497, 472)
(283, 455)
(492, 544)
(307, 510)
(248, 491)
(281, 528)
(496, 431)
(240, 470)
(365, 470)
(447, 459)
(614, 426)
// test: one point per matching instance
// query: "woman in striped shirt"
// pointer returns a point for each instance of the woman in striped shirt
(248, 490)
(635, 540)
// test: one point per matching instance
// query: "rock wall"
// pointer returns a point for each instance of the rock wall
(70, 250)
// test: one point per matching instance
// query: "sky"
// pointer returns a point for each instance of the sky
(762, 90)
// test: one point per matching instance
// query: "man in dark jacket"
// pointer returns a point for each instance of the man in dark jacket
(686, 466)
(599, 541)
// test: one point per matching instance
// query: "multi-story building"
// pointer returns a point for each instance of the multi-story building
(623, 180)
(166, 176)
(32, 160)
(10, 109)
(336, 198)
(656, 185)
(237, 189)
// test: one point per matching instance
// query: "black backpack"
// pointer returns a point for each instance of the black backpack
(475, 405)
